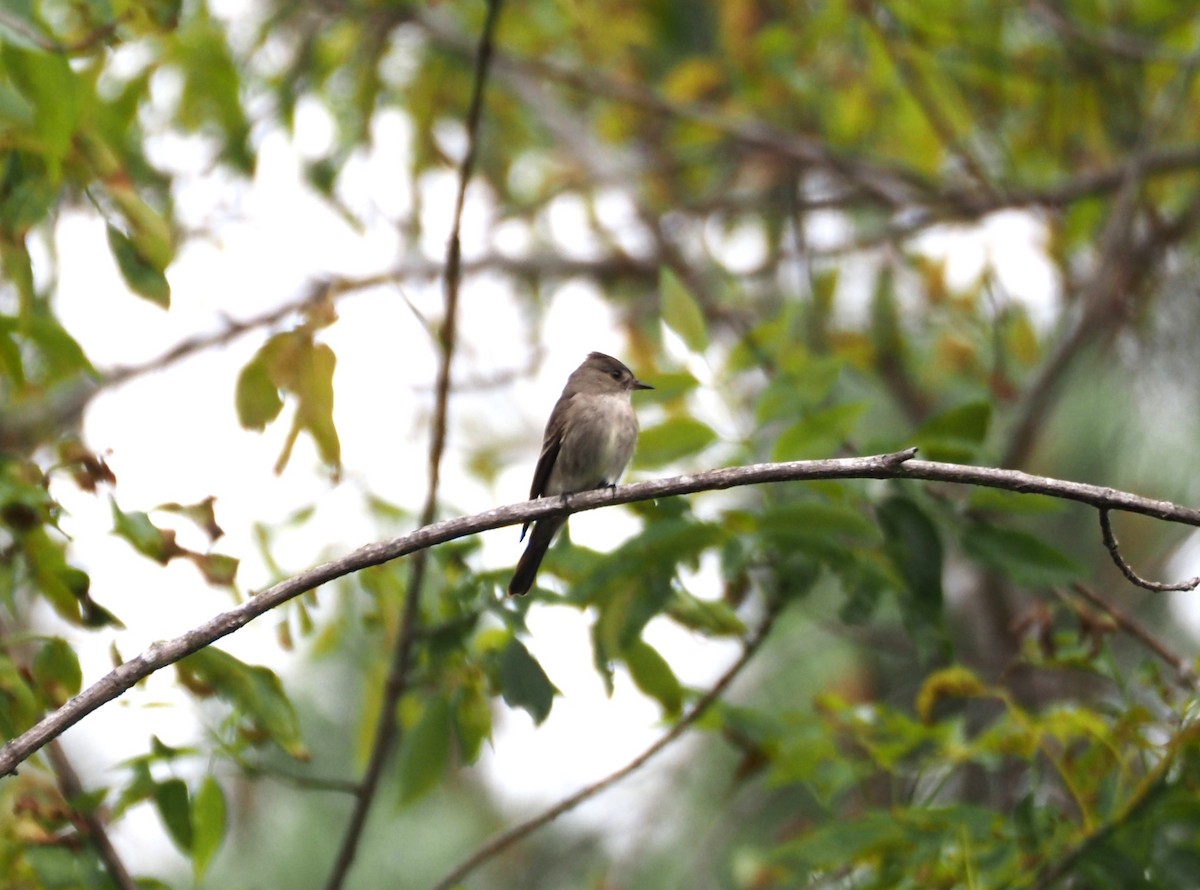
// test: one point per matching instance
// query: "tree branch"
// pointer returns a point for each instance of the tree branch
(23, 427)
(898, 465)
(891, 185)
(879, 182)
(96, 832)
(518, 832)
(1184, 672)
(32, 33)
(318, 292)
(1126, 260)
(898, 51)
(1110, 542)
(387, 730)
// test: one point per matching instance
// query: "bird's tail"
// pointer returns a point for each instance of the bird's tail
(527, 567)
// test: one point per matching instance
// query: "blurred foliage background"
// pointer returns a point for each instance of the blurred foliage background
(772, 198)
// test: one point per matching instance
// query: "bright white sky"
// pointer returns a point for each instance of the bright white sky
(174, 436)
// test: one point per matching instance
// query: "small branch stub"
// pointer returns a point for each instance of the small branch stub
(1114, 550)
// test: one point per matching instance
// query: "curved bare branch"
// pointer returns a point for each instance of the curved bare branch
(898, 465)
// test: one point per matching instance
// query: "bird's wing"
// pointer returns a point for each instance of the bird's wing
(545, 464)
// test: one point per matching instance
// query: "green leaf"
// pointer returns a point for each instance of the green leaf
(294, 363)
(217, 568)
(866, 575)
(819, 434)
(258, 401)
(314, 389)
(625, 610)
(833, 844)
(956, 434)
(63, 868)
(16, 112)
(709, 617)
(146, 538)
(425, 751)
(796, 394)
(19, 707)
(209, 818)
(672, 440)
(26, 198)
(681, 312)
(669, 386)
(653, 676)
(151, 17)
(951, 682)
(816, 520)
(254, 691)
(61, 585)
(662, 545)
(523, 683)
(143, 277)
(967, 422)
(62, 353)
(1027, 560)
(201, 513)
(171, 800)
(1013, 502)
(472, 720)
(211, 98)
(56, 671)
(915, 548)
(53, 89)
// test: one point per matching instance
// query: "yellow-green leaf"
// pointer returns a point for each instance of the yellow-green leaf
(171, 800)
(680, 311)
(425, 750)
(472, 720)
(524, 683)
(672, 440)
(209, 817)
(652, 675)
(1026, 559)
(254, 692)
(257, 398)
(146, 538)
(956, 682)
(56, 670)
(143, 277)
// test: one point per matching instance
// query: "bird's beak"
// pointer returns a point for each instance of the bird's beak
(637, 384)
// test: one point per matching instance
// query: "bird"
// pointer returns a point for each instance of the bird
(588, 443)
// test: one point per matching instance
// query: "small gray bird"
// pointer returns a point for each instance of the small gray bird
(588, 442)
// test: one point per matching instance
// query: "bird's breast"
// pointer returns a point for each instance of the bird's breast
(597, 444)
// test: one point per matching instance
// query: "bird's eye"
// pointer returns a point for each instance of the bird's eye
(614, 374)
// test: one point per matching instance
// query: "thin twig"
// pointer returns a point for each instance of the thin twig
(97, 833)
(519, 832)
(50, 45)
(886, 25)
(317, 293)
(898, 465)
(1110, 541)
(25, 426)
(1125, 262)
(387, 730)
(890, 184)
(1110, 41)
(1184, 671)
